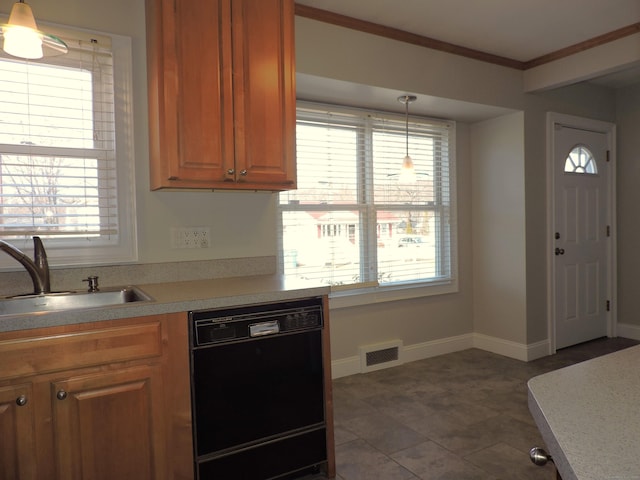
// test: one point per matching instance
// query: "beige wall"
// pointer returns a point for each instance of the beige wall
(419, 320)
(241, 224)
(349, 56)
(628, 198)
(498, 227)
(244, 224)
(582, 100)
(342, 54)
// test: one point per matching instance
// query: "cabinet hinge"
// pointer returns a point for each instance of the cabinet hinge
(608, 156)
(608, 305)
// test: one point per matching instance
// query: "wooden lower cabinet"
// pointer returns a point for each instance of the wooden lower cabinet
(105, 405)
(17, 438)
(110, 425)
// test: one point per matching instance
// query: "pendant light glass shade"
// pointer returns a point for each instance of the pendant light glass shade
(21, 37)
(407, 171)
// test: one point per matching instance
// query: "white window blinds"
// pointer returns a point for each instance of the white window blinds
(354, 221)
(57, 144)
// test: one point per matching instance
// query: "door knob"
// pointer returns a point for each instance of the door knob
(21, 401)
(559, 251)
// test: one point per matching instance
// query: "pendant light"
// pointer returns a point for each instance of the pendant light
(407, 171)
(21, 37)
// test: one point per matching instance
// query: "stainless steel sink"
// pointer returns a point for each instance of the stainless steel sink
(49, 302)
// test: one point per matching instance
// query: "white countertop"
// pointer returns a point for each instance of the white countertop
(589, 416)
(175, 297)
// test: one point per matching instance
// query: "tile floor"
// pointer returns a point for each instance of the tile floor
(460, 416)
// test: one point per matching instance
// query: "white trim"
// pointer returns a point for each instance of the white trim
(90, 250)
(378, 294)
(345, 367)
(368, 122)
(437, 347)
(628, 330)
(609, 129)
(510, 349)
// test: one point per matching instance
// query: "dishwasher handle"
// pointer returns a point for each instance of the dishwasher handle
(264, 328)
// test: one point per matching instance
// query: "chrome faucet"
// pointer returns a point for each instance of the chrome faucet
(38, 268)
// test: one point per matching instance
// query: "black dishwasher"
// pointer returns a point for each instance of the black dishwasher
(257, 391)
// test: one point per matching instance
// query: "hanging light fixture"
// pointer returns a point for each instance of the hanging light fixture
(407, 171)
(21, 37)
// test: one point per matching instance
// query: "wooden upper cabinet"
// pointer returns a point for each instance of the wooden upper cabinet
(264, 91)
(221, 81)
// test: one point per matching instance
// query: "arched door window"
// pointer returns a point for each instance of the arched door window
(580, 160)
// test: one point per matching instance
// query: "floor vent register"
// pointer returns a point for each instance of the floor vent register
(381, 355)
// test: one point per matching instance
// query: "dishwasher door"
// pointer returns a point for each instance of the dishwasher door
(258, 402)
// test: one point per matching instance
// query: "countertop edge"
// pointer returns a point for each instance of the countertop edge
(550, 442)
(177, 297)
(588, 417)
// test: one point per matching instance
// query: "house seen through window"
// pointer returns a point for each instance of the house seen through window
(353, 221)
(58, 159)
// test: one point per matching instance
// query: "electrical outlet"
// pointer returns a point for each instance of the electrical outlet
(191, 237)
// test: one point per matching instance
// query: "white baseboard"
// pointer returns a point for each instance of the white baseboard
(627, 330)
(519, 351)
(352, 365)
(345, 367)
(434, 348)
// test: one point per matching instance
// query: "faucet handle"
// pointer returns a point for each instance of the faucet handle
(93, 283)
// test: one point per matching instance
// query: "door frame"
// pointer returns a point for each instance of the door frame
(609, 129)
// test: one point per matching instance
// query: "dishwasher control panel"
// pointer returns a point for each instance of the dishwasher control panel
(226, 325)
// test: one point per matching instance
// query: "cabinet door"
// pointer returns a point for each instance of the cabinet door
(264, 90)
(110, 425)
(17, 445)
(190, 92)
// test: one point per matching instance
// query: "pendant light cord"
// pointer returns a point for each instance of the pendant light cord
(406, 104)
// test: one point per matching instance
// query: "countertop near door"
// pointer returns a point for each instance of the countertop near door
(589, 416)
(173, 297)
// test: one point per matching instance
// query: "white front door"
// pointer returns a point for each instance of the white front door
(582, 234)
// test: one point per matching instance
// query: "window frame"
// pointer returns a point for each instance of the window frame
(372, 292)
(96, 251)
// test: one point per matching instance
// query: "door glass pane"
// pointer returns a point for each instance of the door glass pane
(580, 160)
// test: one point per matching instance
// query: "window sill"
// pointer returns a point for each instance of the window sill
(379, 294)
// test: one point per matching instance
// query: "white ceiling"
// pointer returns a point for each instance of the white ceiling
(517, 29)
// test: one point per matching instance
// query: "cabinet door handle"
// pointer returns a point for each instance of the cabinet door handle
(243, 172)
(231, 171)
(539, 456)
(61, 395)
(21, 401)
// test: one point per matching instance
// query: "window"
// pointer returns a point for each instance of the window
(580, 160)
(354, 222)
(63, 178)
